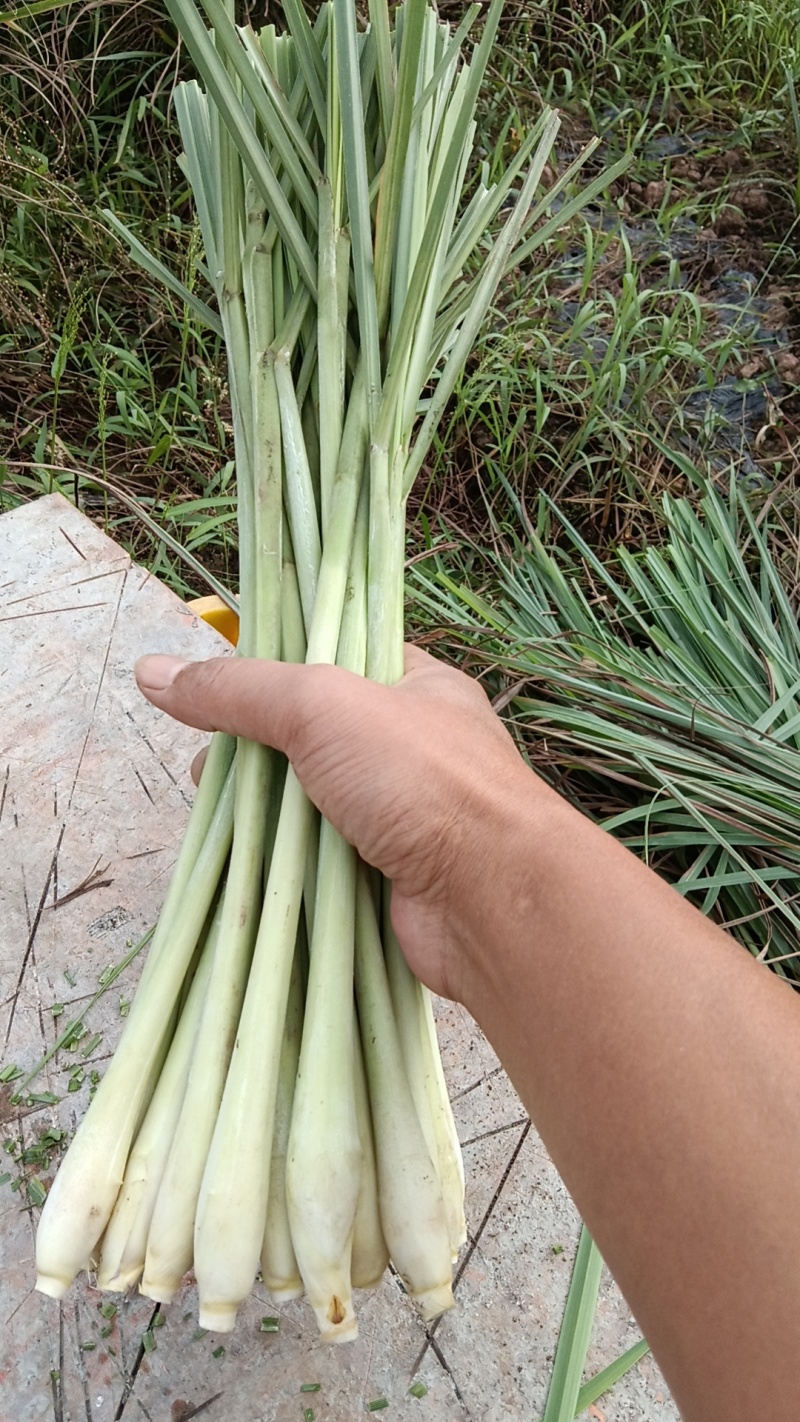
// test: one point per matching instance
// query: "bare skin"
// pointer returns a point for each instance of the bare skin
(659, 1062)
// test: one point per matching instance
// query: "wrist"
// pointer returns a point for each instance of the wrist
(510, 865)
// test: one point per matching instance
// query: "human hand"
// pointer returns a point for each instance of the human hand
(418, 776)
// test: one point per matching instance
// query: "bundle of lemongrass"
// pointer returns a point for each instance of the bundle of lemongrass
(259, 1113)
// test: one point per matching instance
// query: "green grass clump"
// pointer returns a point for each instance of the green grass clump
(663, 690)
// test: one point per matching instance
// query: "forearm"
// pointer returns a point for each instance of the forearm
(660, 1064)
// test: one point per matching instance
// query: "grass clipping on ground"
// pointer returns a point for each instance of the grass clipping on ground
(665, 685)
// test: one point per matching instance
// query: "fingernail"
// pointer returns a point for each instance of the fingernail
(155, 673)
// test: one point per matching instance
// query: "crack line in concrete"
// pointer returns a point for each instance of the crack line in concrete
(137, 1363)
(495, 1131)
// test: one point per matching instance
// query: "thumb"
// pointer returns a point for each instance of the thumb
(259, 700)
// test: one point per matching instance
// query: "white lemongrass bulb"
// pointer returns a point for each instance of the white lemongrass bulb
(124, 1243)
(420, 1047)
(370, 1256)
(450, 1159)
(412, 1210)
(323, 1168)
(278, 1262)
(84, 1192)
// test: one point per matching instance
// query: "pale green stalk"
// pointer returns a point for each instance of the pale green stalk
(331, 355)
(216, 771)
(293, 632)
(85, 1189)
(450, 54)
(412, 1210)
(278, 1261)
(309, 56)
(323, 1168)
(370, 1256)
(396, 160)
(300, 500)
(125, 1241)
(416, 1030)
(450, 1159)
(324, 1165)
(384, 59)
(413, 194)
(170, 1242)
(284, 107)
(231, 1211)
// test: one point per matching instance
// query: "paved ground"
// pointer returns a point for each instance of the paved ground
(94, 792)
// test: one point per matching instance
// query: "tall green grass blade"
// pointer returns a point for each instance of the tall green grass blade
(447, 59)
(610, 1376)
(573, 1340)
(309, 56)
(482, 296)
(162, 274)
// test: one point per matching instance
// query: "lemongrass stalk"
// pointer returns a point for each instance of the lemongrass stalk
(293, 631)
(412, 1210)
(416, 1036)
(419, 1045)
(231, 1211)
(451, 1161)
(460, 116)
(232, 1207)
(450, 51)
(125, 1241)
(170, 1238)
(283, 106)
(300, 499)
(323, 1168)
(324, 1164)
(170, 1245)
(330, 366)
(84, 1192)
(278, 1261)
(309, 55)
(215, 774)
(370, 1255)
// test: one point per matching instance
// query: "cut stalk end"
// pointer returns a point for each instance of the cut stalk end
(432, 1302)
(219, 1317)
(121, 1281)
(284, 1293)
(337, 1321)
(160, 1291)
(54, 1288)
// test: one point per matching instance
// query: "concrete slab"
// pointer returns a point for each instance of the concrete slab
(94, 794)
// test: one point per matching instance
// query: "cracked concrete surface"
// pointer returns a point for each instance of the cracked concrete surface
(94, 793)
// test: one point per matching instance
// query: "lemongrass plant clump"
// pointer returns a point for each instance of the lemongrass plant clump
(277, 1101)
